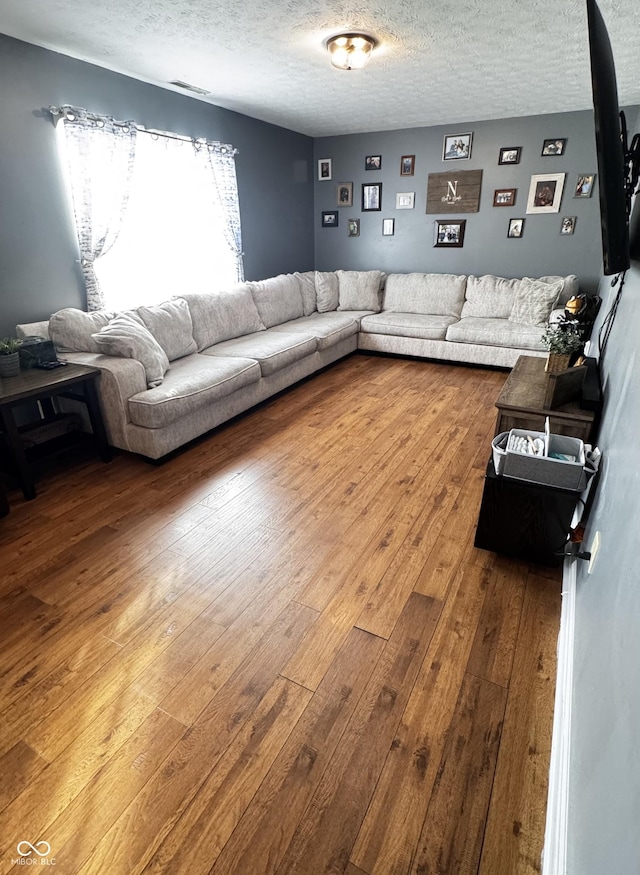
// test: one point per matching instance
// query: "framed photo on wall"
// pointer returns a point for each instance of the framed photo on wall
(405, 200)
(344, 194)
(584, 185)
(407, 165)
(353, 227)
(568, 225)
(516, 228)
(371, 197)
(554, 147)
(373, 162)
(449, 233)
(456, 146)
(545, 192)
(504, 197)
(324, 169)
(388, 227)
(329, 218)
(509, 155)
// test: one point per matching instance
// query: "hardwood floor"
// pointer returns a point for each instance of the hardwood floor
(280, 652)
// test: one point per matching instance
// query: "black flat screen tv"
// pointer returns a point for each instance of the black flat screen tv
(610, 146)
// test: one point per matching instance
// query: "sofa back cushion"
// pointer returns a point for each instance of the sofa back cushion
(489, 297)
(430, 294)
(570, 287)
(307, 283)
(327, 291)
(278, 299)
(219, 316)
(127, 336)
(171, 325)
(71, 330)
(359, 289)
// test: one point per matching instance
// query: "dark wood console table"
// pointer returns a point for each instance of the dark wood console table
(41, 385)
(521, 404)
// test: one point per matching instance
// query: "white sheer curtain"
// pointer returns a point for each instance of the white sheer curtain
(99, 155)
(180, 230)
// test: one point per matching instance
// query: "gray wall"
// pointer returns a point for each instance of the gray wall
(486, 248)
(38, 248)
(605, 761)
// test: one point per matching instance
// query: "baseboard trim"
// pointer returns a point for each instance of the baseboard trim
(554, 858)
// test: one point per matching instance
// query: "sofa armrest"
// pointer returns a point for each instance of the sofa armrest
(120, 379)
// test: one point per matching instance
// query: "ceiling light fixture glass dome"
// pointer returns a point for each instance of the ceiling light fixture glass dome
(350, 51)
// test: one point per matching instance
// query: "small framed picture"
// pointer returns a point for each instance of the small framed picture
(373, 162)
(407, 165)
(456, 146)
(329, 218)
(324, 169)
(353, 227)
(371, 197)
(545, 192)
(504, 197)
(388, 227)
(344, 194)
(405, 200)
(509, 155)
(568, 225)
(516, 228)
(553, 147)
(450, 233)
(584, 185)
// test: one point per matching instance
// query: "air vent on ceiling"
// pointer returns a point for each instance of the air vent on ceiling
(193, 88)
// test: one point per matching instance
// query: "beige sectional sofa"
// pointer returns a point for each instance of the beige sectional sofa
(171, 373)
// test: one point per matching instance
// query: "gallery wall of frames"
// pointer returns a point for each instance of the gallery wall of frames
(512, 197)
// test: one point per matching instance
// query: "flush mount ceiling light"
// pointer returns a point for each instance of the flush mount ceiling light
(350, 51)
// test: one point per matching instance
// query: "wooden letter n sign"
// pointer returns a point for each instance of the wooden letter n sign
(454, 192)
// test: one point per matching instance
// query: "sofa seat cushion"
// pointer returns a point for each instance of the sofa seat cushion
(193, 382)
(431, 294)
(327, 328)
(407, 325)
(272, 349)
(495, 332)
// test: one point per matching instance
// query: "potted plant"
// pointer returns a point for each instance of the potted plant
(9, 358)
(562, 339)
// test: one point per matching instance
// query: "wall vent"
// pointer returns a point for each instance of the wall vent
(185, 85)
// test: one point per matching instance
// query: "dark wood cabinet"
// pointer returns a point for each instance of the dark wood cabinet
(524, 520)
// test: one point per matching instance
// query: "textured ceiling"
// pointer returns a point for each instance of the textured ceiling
(437, 62)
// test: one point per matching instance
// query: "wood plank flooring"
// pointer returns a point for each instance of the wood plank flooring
(280, 652)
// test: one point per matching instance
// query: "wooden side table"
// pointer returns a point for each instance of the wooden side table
(72, 381)
(521, 404)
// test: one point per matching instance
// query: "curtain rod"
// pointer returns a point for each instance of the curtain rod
(59, 111)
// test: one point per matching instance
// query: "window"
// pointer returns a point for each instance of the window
(156, 215)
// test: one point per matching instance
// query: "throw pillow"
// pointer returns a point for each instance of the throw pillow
(171, 325)
(127, 336)
(359, 289)
(71, 330)
(307, 282)
(327, 291)
(534, 301)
